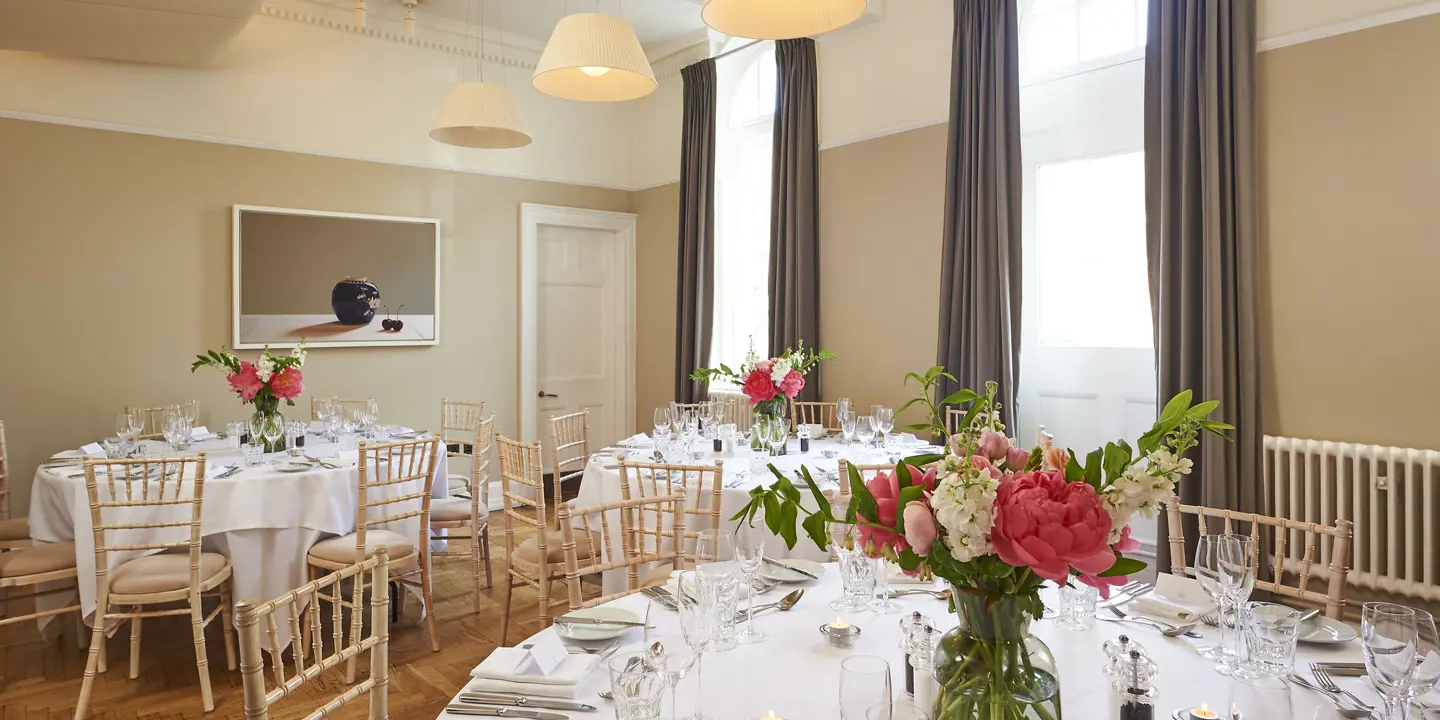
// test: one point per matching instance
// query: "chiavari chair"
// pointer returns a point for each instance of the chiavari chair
(141, 506)
(1335, 558)
(14, 531)
(469, 515)
(393, 478)
(569, 450)
(29, 567)
(701, 487)
(540, 560)
(814, 413)
(154, 427)
(621, 547)
(249, 616)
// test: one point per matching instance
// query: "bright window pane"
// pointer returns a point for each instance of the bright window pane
(1094, 290)
(1050, 41)
(754, 99)
(1107, 27)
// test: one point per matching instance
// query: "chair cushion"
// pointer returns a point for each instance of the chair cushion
(342, 549)
(454, 510)
(529, 551)
(165, 572)
(15, 529)
(37, 559)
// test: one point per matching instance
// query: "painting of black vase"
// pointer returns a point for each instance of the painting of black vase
(326, 276)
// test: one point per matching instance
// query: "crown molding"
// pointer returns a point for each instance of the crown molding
(1430, 7)
(437, 34)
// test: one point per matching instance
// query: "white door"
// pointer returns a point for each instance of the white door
(583, 321)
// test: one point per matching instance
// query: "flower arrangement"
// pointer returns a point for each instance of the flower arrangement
(996, 521)
(769, 382)
(265, 382)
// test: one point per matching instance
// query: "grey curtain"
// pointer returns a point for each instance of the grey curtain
(1200, 203)
(695, 284)
(980, 263)
(795, 206)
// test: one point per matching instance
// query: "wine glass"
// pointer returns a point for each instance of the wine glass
(715, 561)
(1213, 555)
(1391, 641)
(696, 602)
(1259, 697)
(864, 683)
(842, 405)
(884, 422)
(1238, 577)
(881, 602)
(847, 421)
(137, 421)
(1427, 660)
(191, 412)
(272, 428)
(662, 422)
(865, 432)
(371, 413)
(749, 554)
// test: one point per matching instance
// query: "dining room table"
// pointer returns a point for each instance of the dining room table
(263, 519)
(795, 673)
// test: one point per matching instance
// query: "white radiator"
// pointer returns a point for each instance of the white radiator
(1391, 494)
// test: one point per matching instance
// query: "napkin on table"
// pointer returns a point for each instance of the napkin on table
(637, 439)
(1174, 598)
(497, 673)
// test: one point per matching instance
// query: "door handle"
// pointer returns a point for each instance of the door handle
(544, 394)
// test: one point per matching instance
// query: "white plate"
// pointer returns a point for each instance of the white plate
(1321, 630)
(585, 633)
(293, 467)
(779, 574)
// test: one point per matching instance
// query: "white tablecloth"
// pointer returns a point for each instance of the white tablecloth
(263, 520)
(601, 484)
(796, 674)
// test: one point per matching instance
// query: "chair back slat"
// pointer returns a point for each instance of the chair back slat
(468, 433)
(700, 484)
(569, 447)
(407, 464)
(814, 413)
(621, 548)
(249, 615)
(150, 494)
(522, 485)
(4, 475)
(1314, 536)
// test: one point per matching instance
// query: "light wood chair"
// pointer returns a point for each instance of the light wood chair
(153, 429)
(738, 411)
(1336, 557)
(249, 615)
(390, 474)
(569, 450)
(631, 553)
(458, 420)
(701, 486)
(953, 418)
(150, 495)
(14, 532)
(31, 566)
(814, 413)
(470, 515)
(344, 405)
(538, 561)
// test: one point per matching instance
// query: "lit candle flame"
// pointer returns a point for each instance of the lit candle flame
(839, 624)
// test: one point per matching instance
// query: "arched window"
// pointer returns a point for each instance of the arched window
(745, 125)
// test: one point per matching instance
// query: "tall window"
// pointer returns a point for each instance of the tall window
(1061, 36)
(746, 116)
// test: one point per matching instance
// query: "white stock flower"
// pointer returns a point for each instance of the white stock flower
(963, 503)
(1139, 490)
(779, 370)
(265, 367)
(299, 354)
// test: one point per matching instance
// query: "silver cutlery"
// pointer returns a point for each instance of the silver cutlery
(1322, 676)
(1343, 669)
(485, 698)
(791, 568)
(1309, 615)
(1334, 697)
(1128, 592)
(1165, 629)
(783, 604)
(937, 594)
(660, 596)
(568, 620)
(489, 711)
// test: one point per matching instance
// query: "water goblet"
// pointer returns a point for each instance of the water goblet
(847, 422)
(881, 602)
(865, 432)
(884, 421)
(662, 421)
(1427, 660)
(1391, 642)
(1077, 605)
(635, 687)
(749, 555)
(698, 620)
(864, 683)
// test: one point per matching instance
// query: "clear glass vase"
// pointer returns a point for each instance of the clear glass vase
(269, 416)
(990, 667)
(764, 415)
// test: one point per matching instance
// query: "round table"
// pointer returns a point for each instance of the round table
(796, 674)
(263, 520)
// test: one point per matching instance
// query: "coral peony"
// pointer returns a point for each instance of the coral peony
(246, 383)
(886, 491)
(1125, 543)
(1015, 459)
(287, 384)
(920, 530)
(1049, 525)
(758, 387)
(994, 445)
(792, 384)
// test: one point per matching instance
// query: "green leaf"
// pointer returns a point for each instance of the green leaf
(907, 496)
(863, 502)
(815, 527)
(922, 460)
(821, 501)
(902, 474)
(1200, 411)
(907, 404)
(959, 396)
(921, 427)
(1123, 566)
(1117, 459)
(1073, 471)
(787, 525)
(773, 515)
(909, 561)
(1177, 406)
(1093, 469)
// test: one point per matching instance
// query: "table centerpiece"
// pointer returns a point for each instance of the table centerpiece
(769, 383)
(263, 383)
(995, 522)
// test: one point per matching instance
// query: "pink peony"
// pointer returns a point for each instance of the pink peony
(758, 387)
(1056, 458)
(1015, 459)
(1049, 525)
(920, 528)
(1103, 584)
(246, 383)
(886, 491)
(1125, 543)
(993, 445)
(983, 463)
(287, 384)
(792, 384)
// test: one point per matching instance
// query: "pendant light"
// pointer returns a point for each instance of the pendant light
(771, 20)
(481, 114)
(593, 57)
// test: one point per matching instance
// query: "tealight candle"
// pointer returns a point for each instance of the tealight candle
(1203, 713)
(771, 716)
(840, 633)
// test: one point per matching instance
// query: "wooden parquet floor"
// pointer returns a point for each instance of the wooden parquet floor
(42, 680)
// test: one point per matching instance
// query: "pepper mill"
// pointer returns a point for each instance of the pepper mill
(1133, 690)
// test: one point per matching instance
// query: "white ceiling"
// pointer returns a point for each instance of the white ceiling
(656, 22)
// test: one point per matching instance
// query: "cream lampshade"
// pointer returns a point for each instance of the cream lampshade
(480, 115)
(592, 57)
(771, 20)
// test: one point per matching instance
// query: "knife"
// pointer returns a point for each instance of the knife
(490, 711)
(778, 564)
(569, 620)
(483, 698)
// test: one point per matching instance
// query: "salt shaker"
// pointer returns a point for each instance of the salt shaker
(1117, 651)
(1133, 689)
(920, 667)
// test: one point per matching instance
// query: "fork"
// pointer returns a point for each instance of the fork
(1322, 676)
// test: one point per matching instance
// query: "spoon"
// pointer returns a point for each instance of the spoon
(630, 666)
(937, 594)
(784, 604)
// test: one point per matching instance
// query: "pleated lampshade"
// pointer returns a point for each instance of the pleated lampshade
(593, 57)
(480, 115)
(771, 20)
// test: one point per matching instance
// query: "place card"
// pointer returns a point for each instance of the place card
(1182, 590)
(200, 433)
(548, 652)
(92, 449)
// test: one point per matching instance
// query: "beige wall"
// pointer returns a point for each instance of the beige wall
(115, 271)
(290, 263)
(1350, 236)
(656, 254)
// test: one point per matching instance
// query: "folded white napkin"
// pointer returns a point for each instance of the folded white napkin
(1175, 598)
(564, 682)
(201, 434)
(637, 439)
